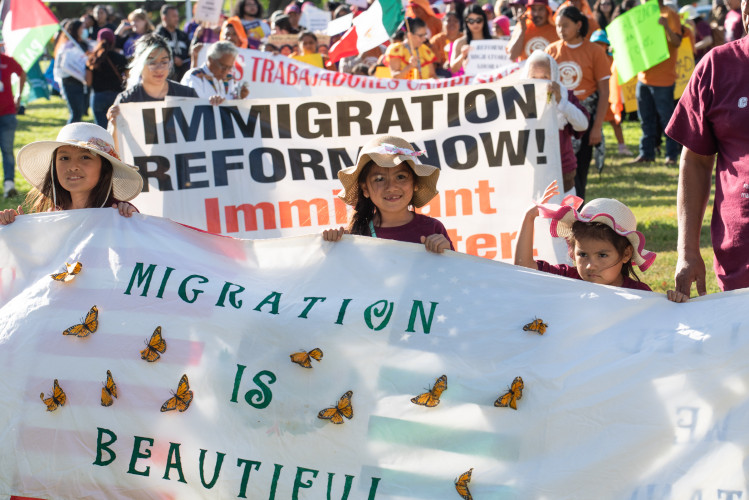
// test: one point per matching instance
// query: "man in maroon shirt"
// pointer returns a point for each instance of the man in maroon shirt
(711, 118)
(8, 109)
(733, 23)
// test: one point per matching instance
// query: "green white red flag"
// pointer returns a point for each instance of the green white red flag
(371, 28)
(27, 26)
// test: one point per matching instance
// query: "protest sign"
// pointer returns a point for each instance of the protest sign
(487, 55)
(314, 19)
(638, 40)
(208, 11)
(625, 395)
(684, 66)
(311, 59)
(268, 168)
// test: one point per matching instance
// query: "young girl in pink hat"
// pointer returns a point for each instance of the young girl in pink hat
(602, 237)
(386, 181)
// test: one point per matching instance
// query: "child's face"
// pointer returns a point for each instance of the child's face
(599, 262)
(390, 189)
(77, 169)
(308, 45)
(540, 70)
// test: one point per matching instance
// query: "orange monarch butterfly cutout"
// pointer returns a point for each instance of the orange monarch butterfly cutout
(432, 398)
(510, 398)
(342, 409)
(537, 325)
(154, 346)
(70, 272)
(304, 358)
(461, 485)
(87, 326)
(109, 391)
(56, 399)
(181, 399)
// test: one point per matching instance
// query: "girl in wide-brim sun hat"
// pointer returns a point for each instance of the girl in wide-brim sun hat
(386, 183)
(80, 169)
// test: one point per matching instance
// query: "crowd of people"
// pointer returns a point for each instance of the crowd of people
(134, 61)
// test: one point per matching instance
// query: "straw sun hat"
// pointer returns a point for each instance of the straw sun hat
(35, 159)
(388, 151)
(613, 213)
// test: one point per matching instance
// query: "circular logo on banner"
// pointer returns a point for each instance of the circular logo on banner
(743, 102)
(535, 43)
(570, 74)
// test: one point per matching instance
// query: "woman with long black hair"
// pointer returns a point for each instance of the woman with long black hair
(477, 28)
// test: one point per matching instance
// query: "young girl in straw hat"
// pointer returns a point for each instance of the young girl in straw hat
(602, 237)
(387, 179)
(81, 169)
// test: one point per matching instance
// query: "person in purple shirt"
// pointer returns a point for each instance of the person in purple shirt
(386, 182)
(733, 23)
(602, 237)
(711, 119)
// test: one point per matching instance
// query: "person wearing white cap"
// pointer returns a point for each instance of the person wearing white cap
(386, 181)
(80, 169)
(603, 242)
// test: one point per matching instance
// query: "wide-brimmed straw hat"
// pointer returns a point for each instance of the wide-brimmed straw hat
(35, 159)
(613, 213)
(388, 151)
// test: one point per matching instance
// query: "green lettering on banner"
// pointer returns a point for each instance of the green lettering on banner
(260, 398)
(639, 40)
(383, 312)
(216, 469)
(168, 271)
(237, 380)
(273, 299)
(236, 304)
(195, 292)
(174, 461)
(141, 276)
(246, 474)
(137, 454)
(104, 447)
(373, 488)
(425, 323)
(274, 485)
(313, 301)
(298, 483)
(342, 311)
(346, 486)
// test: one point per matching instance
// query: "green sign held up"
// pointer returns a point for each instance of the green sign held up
(638, 40)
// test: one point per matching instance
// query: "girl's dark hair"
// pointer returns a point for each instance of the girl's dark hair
(42, 201)
(477, 10)
(303, 34)
(72, 29)
(599, 231)
(364, 209)
(238, 9)
(574, 15)
(98, 55)
(601, 18)
(624, 7)
(284, 23)
(414, 23)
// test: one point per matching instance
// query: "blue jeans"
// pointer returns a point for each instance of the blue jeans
(8, 125)
(76, 98)
(100, 103)
(654, 105)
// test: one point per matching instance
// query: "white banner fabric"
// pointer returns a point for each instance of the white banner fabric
(625, 396)
(268, 168)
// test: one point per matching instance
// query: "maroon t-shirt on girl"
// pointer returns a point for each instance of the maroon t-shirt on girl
(571, 272)
(713, 117)
(420, 225)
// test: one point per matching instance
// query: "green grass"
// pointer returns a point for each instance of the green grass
(649, 190)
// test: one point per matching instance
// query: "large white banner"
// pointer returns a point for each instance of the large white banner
(625, 395)
(267, 168)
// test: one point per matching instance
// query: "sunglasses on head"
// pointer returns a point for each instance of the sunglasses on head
(474, 20)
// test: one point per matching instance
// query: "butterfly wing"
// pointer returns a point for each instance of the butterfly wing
(50, 402)
(315, 354)
(154, 346)
(440, 386)
(59, 395)
(170, 404)
(461, 485)
(63, 276)
(331, 414)
(106, 398)
(78, 330)
(91, 323)
(528, 327)
(184, 394)
(74, 268)
(517, 387)
(425, 399)
(344, 405)
(111, 386)
(301, 358)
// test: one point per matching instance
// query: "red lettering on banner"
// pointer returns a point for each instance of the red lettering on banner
(483, 192)
(339, 79)
(380, 84)
(293, 68)
(250, 216)
(506, 239)
(280, 74)
(267, 73)
(304, 76)
(477, 242)
(393, 84)
(255, 62)
(303, 210)
(325, 78)
(212, 216)
(485, 201)
(450, 202)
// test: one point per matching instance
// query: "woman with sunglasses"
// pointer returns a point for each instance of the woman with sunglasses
(149, 71)
(603, 10)
(477, 28)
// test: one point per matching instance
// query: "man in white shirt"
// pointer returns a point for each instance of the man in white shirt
(213, 80)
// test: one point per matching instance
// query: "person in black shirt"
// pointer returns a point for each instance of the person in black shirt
(105, 75)
(178, 40)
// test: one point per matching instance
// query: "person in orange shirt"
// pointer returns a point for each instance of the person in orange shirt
(402, 60)
(655, 93)
(534, 31)
(584, 69)
(442, 43)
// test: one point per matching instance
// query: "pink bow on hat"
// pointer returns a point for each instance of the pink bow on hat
(389, 149)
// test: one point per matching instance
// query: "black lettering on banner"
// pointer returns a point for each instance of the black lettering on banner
(150, 131)
(200, 114)
(160, 173)
(346, 118)
(230, 115)
(284, 121)
(324, 127)
(339, 159)
(185, 171)
(277, 163)
(220, 166)
(432, 154)
(427, 109)
(453, 110)
(511, 97)
(494, 153)
(401, 119)
(490, 101)
(314, 163)
(451, 155)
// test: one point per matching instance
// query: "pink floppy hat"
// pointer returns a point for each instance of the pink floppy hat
(610, 212)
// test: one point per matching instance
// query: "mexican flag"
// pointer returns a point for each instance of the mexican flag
(27, 26)
(371, 28)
